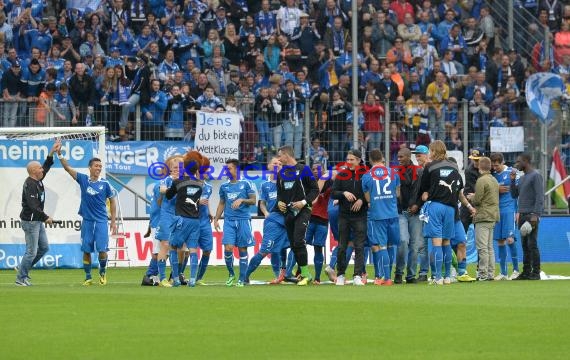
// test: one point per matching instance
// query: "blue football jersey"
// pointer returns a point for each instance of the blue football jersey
(229, 192)
(204, 209)
(168, 207)
(94, 195)
(382, 185)
(268, 193)
(154, 212)
(506, 202)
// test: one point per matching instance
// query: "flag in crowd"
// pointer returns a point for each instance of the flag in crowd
(541, 90)
(557, 174)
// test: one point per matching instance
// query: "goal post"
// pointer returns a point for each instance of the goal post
(95, 134)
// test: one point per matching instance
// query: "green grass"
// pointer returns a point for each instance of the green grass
(57, 318)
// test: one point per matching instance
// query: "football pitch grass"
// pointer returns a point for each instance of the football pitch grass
(57, 318)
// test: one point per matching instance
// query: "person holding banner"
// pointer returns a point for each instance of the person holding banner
(33, 216)
(93, 209)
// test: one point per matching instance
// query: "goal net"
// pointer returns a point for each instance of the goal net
(19, 146)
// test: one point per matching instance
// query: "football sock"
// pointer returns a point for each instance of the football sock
(385, 262)
(503, 259)
(305, 272)
(290, 264)
(514, 256)
(174, 264)
(202, 266)
(283, 258)
(462, 267)
(392, 254)
(193, 266)
(182, 266)
(437, 261)
(161, 264)
(275, 263)
(87, 268)
(242, 265)
(102, 266)
(152, 267)
(229, 258)
(334, 255)
(376, 261)
(447, 259)
(253, 264)
(319, 259)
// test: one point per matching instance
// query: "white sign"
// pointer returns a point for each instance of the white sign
(217, 137)
(507, 139)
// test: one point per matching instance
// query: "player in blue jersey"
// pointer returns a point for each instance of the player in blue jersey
(93, 209)
(504, 232)
(236, 197)
(186, 233)
(167, 220)
(150, 278)
(441, 188)
(382, 189)
(206, 240)
(274, 233)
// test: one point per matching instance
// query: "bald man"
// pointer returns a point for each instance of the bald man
(33, 216)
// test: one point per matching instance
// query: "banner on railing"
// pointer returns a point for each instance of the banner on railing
(217, 137)
(84, 5)
(507, 139)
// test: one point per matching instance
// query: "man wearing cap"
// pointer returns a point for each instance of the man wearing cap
(305, 36)
(68, 52)
(12, 93)
(234, 12)
(353, 209)
(115, 58)
(471, 176)
(421, 153)
(486, 201)
(529, 192)
(78, 34)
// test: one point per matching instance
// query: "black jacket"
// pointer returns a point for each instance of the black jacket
(33, 196)
(296, 183)
(348, 180)
(82, 90)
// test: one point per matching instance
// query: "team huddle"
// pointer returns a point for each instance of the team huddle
(391, 214)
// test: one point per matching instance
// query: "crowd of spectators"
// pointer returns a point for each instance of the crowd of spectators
(272, 61)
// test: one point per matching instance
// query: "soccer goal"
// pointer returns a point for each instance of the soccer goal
(30, 150)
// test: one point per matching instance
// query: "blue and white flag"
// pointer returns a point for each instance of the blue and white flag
(84, 5)
(541, 89)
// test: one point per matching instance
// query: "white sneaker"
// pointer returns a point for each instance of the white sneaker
(447, 281)
(357, 281)
(501, 277)
(514, 275)
(340, 280)
(436, 282)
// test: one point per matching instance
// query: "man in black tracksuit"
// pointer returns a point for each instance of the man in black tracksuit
(353, 209)
(33, 216)
(296, 190)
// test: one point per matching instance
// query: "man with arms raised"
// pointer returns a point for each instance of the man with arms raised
(93, 209)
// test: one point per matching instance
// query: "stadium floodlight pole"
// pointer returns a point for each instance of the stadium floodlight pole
(354, 38)
(511, 24)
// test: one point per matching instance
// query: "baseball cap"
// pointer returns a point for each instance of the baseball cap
(304, 14)
(115, 48)
(221, 7)
(476, 154)
(15, 63)
(421, 149)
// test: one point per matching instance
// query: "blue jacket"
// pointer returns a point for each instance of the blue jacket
(156, 107)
